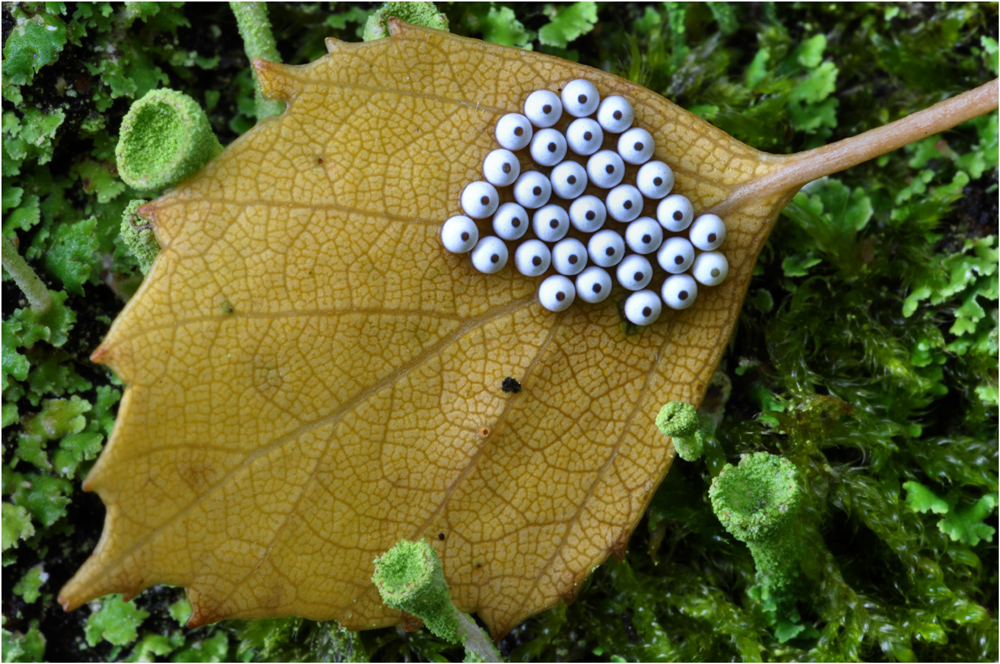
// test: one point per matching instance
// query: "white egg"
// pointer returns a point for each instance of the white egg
(480, 199)
(605, 169)
(710, 268)
(675, 255)
(643, 307)
(580, 98)
(490, 255)
(636, 146)
(511, 221)
(550, 223)
(587, 213)
(501, 168)
(513, 131)
(548, 147)
(556, 293)
(593, 285)
(707, 232)
(584, 136)
(679, 291)
(532, 189)
(655, 180)
(606, 248)
(644, 235)
(568, 179)
(459, 234)
(543, 108)
(569, 256)
(615, 114)
(532, 258)
(634, 272)
(675, 213)
(624, 203)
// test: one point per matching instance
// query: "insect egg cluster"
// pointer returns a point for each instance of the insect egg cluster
(590, 209)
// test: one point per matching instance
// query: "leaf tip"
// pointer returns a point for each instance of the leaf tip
(332, 44)
(275, 80)
(398, 27)
(620, 546)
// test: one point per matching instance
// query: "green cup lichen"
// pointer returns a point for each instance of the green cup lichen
(415, 13)
(410, 578)
(165, 139)
(757, 502)
(679, 420)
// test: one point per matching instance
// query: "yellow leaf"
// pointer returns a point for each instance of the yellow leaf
(312, 377)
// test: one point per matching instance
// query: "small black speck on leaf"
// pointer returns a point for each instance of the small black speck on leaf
(510, 385)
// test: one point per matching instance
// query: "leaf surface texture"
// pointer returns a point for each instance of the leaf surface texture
(312, 377)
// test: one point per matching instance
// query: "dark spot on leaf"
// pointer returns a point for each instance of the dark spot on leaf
(510, 385)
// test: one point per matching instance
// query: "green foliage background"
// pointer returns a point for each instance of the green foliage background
(866, 353)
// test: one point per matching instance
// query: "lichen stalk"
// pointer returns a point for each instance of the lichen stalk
(165, 138)
(138, 236)
(33, 288)
(410, 578)
(258, 42)
(757, 502)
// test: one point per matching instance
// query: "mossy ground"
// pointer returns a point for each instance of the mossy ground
(866, 353)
